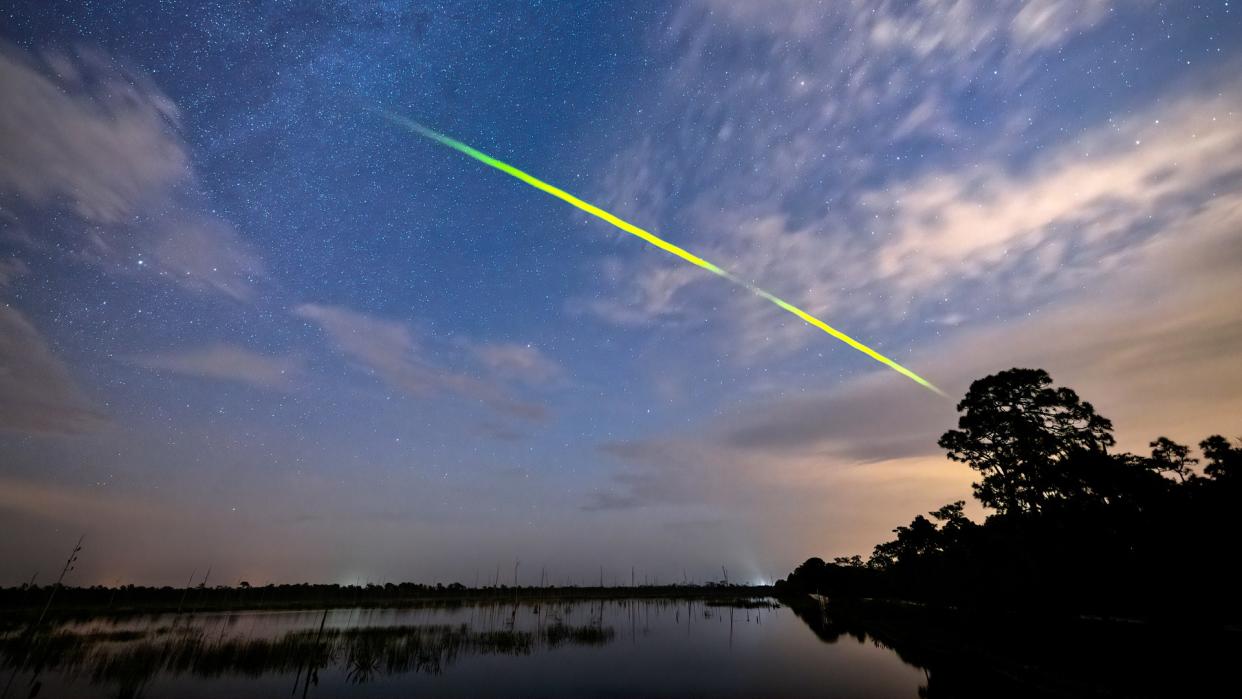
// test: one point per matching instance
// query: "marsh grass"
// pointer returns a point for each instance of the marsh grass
(131, 659)
(593, 635)
(743, 603)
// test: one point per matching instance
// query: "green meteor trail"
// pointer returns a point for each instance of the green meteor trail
(654, 240)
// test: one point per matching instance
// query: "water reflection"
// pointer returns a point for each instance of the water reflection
(554, 648)
(979, 653)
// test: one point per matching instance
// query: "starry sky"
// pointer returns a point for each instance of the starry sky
(247, 323)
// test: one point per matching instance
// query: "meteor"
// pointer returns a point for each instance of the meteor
(654, 240)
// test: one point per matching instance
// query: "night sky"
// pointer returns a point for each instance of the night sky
(247, 323)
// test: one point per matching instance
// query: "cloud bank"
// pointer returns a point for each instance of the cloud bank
(389, 350)
(228, 363)
(86, 136)
(37, 393)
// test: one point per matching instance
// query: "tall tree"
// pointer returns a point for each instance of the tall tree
(1018, 431)
(953, 520)
(1168, 456)
(1224, 459)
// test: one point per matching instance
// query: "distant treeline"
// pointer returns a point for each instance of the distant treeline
(26, 600)
(1073, 527)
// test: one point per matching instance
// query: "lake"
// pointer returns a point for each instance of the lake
(609, 648)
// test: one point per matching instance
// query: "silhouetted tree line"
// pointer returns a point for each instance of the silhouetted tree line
(1073, 526)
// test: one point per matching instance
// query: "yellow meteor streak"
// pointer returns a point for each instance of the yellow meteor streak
(654, 240)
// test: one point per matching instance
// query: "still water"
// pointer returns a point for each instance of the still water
(650, 648)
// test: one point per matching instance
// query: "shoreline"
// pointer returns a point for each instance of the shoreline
(19, 605)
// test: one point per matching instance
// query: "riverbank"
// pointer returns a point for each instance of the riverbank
(25, 604)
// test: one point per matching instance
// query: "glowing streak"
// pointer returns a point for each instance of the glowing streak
(654, 240)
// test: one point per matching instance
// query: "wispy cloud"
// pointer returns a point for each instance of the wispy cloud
(229, 363)
(958, 28)
(37, 392)
(1041, 23)
(655, 472)
(389, 349)
(792, 173)
(522, 363)
(500, 432)
(78, 505)
(1025, 237)
(1150, 171)
(10, 270)
(86, 135)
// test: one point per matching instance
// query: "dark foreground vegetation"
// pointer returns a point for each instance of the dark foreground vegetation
(1091, 566)
(130, 660)
(365, 651)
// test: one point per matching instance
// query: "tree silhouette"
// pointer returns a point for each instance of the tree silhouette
(953, 517)
(1168, 456)
(1018, 432)
(1224, 460)
(1074, 529)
